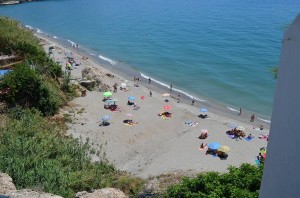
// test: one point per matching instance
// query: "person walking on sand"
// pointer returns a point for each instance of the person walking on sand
(240, 111)
(252, 118)
(171, 87)
(115, 87)
(178, 99)
(149, 81)
(150, 93)
(193, 101)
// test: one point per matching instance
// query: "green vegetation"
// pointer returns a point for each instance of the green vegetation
(28, 88)
(239, 182)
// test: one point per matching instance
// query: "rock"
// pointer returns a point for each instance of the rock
(89, 84)
(27, 193)
(6, 184)
(93, 73)
(103, 193)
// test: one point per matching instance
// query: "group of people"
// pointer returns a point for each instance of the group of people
(222, 155)
(236, 133)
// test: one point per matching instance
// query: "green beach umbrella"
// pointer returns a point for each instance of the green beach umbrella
(107, 94)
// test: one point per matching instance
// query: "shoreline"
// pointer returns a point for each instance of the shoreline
(128, 72)
(154, 146)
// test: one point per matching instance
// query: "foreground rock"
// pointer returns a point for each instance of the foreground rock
(6, 184)
(103, 193)
(27, 193)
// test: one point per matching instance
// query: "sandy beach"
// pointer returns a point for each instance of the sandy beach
(154, 145)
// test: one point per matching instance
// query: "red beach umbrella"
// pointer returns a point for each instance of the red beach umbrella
(167, 107)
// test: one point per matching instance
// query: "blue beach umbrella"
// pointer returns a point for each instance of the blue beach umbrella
(203, 110)
(106, 118)
(131, 98)
(214, 145)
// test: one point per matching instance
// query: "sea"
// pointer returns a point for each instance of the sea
(220, 51)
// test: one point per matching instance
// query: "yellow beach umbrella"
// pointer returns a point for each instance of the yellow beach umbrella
(224, 149)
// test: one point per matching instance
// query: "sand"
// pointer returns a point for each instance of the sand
(155, 146)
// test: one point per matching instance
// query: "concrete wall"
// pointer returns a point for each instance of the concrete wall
(281, 176)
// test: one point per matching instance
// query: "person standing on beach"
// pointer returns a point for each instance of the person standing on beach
(115, 87)
(149, 80)
(171, 87)
(150, 93)
(178, 99)
(252, 118)
(240, 111)
(193, 101)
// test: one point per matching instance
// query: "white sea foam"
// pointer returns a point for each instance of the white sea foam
(29, 27)
(93, 54)
(165, 85)
(232, 109)
(39, 31)
(267, 121)
(72, 43)
(55, 37)
(107, 59)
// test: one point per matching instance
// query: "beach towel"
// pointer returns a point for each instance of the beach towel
(129, 124)
(249, 139)
(257, 162)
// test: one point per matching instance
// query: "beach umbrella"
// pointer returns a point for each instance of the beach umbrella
(128, 115)
(204, 131)
(165, 94)
(107, 94)
(224, 149)
(123, 85)
(106, 118)
(240, 128)
(214, 145)
(167, 107)
(203, 110)
(131, 98)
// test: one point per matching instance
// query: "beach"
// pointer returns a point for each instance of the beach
(154, 145)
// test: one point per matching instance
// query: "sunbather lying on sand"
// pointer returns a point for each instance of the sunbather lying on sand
(203, 136)
(130, 122)
(166, 114)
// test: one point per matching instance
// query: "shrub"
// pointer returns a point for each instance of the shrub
(35, 154)
(239, 182)
(28, 88)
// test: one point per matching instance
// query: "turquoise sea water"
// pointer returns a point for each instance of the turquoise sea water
(211, 49)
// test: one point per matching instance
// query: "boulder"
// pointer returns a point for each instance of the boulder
(27, 193)
(103, 193)
(93, 73)
(6, 184)
(89, 84)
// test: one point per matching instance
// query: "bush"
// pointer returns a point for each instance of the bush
(35, 154)
(239, 182)
(28, 88)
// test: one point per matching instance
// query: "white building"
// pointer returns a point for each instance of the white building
(281, 176)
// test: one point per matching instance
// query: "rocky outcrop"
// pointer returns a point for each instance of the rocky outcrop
(8, 189)
(103, 193)
(6, 184)
(89, 84)
(27, 193)
(96, 75)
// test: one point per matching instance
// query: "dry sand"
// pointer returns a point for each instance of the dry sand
(155, 146)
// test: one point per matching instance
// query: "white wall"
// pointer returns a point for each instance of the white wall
(281, 176)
